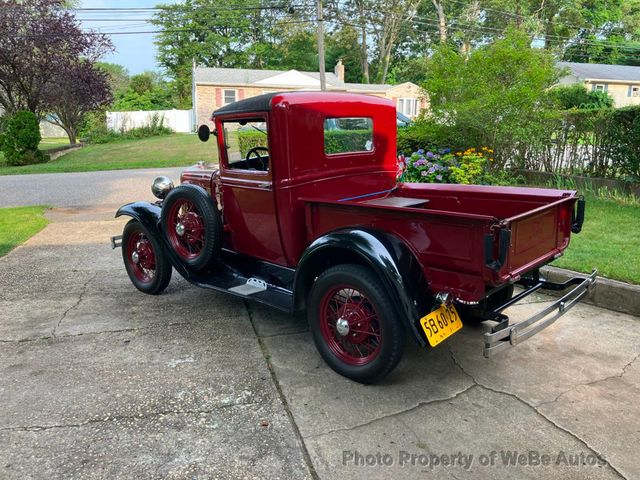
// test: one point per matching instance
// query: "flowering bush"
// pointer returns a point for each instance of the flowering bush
(443, 166)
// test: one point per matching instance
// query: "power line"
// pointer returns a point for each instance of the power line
(169, 30)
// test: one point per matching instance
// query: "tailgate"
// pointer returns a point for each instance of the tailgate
(528, 240)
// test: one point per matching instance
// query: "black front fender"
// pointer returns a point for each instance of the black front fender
(148, 214)
(389, 257)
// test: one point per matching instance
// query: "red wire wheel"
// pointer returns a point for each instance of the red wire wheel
(192, 225)
(140, 256)
(349, 325)
(146, 263)
(186, 229)
(354, 323)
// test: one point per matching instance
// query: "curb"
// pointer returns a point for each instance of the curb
(610, 294)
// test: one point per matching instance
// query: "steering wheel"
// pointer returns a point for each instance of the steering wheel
(256, 151)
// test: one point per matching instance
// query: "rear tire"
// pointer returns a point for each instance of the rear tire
(354, 324)
(146, 263)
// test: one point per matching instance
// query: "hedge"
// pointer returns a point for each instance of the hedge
(601, 142)
(248, 139)
(339, 141)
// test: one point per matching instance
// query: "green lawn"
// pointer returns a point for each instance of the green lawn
(609, 241)
(19, 224)
(49, 143)
(169, 151)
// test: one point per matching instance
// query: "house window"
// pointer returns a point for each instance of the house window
(408, 106)
(348, 134)
(600, 87)
(229, 96)
(635, 91)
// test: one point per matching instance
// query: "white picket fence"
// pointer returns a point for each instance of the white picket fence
(180, 121)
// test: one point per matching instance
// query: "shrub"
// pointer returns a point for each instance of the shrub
(578, 97)
(20, 138)
(442, 166)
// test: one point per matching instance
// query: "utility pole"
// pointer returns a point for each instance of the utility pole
(323, 79)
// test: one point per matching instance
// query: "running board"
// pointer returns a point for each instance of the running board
(246, 278)
(252, 287)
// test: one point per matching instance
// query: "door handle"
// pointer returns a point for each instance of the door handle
(265, 185)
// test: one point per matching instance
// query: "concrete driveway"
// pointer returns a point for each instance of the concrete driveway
(100, 381)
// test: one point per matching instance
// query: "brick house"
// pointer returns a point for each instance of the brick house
(622, 82)
(215, 87)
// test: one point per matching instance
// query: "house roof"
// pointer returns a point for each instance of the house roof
(265, 102)
(278, 78)
(599, 71)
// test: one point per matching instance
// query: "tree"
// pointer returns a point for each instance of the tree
(39, 40)
(83, 88)
(493, 96)
(344, 44)
(118, 76)
(219, 33)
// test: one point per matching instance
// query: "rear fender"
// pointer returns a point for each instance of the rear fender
(389, 257)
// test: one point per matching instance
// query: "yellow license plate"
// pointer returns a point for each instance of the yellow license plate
(441, 324)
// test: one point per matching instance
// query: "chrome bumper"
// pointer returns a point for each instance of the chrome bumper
(116, 241)
(504, 336)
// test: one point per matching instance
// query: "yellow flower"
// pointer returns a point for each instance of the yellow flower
(489, 150)
(458, 153)
(491, 159)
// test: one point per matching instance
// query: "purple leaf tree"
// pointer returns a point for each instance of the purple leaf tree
(46, 58)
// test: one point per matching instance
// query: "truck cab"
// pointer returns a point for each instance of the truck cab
(303, 212)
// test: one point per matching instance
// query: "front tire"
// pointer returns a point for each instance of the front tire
(192, 225)
(354, 324)
(146, 263)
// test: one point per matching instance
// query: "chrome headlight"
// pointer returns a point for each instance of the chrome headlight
(161, 186)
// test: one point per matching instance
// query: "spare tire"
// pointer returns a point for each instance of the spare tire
(192, 225)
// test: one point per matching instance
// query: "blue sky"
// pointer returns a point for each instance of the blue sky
(136, 52)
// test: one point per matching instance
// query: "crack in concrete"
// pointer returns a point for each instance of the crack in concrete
(283, 399)
(395, 414)
(118, 418)
(75, 305)
(102, 332)
(588, 384)
(535, 409)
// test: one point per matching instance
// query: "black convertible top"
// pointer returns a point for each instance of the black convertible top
(261, 103)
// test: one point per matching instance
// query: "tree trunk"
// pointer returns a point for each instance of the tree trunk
(442, 21)
(365, 55)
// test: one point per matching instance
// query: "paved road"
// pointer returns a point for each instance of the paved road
(100, 381)
(86, 188)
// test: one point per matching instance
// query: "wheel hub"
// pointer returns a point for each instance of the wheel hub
(342, 326)
(135, 258)
(180, 229)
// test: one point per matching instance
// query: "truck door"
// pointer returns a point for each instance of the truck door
(247, 188)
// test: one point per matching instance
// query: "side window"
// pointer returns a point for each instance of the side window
(246, 144)
(348, 134)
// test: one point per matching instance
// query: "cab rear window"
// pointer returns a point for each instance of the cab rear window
(347, 135)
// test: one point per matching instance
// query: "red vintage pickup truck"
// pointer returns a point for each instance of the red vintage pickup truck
(305, 213)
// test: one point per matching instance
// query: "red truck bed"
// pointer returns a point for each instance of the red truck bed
(467, 238)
